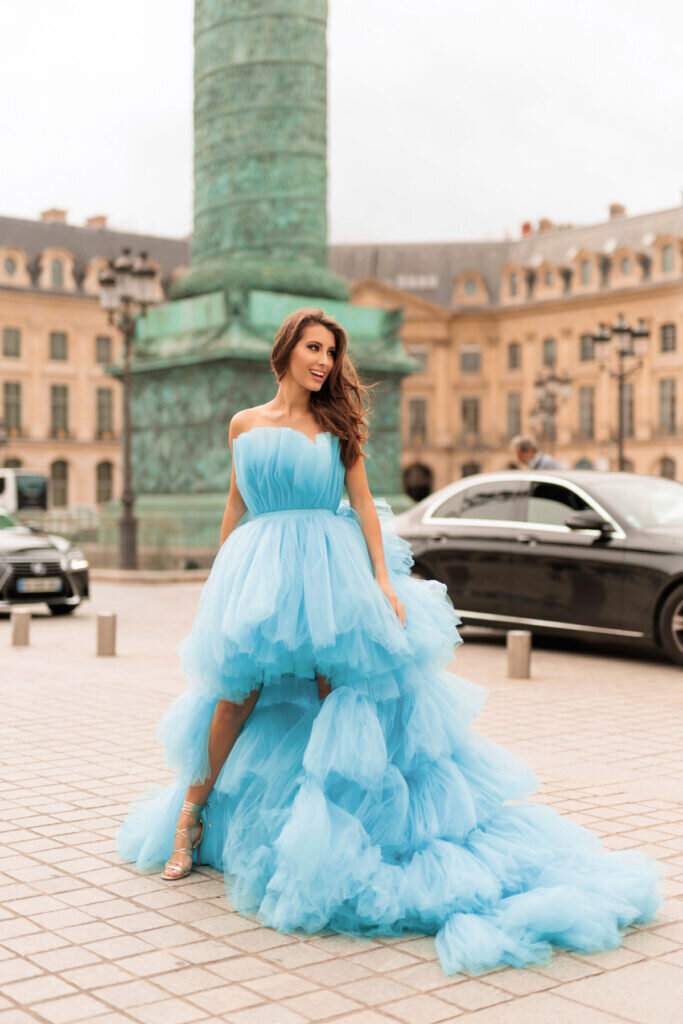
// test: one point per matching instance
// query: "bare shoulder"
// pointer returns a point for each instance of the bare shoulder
(244, 420)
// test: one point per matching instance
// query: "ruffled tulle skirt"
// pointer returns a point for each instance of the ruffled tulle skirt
(379, 810)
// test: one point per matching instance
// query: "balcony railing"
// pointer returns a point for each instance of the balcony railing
(582, 436)
(417, 439)
(670, 430)
(474, 440)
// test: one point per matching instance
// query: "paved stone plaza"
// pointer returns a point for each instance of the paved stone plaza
(84, 938)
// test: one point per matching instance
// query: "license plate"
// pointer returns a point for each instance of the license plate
(47, 584)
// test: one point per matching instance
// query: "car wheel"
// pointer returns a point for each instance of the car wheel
(671, 625)
(62, 609)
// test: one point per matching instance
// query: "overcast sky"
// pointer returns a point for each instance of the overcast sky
(447, 119)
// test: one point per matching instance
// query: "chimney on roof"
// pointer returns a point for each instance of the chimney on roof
(99, 221)
(526, 228)
(53, 216)
(616, 210)
(545, 225)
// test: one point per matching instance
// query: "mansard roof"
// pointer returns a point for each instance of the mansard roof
(561, 245)
(88, 243)
(444, 261)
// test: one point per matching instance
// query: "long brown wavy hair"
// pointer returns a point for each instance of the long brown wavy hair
(342, 405)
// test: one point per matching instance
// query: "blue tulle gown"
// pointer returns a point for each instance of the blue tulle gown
(379, 810)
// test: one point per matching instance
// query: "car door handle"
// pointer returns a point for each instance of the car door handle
(525, 538)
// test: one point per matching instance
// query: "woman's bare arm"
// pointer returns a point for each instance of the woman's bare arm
(361, 502)
(235, 507)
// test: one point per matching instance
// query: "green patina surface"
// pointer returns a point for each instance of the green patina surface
(260, 148)
(258, 252)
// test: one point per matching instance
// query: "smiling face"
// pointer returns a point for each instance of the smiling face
(312, 358)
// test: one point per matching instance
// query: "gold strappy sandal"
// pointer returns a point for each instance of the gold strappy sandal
(193, 834)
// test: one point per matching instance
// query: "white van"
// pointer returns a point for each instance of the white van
(22, 490)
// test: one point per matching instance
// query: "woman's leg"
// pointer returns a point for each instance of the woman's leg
(324, 688)
(226, 725)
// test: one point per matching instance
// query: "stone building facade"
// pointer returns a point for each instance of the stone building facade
(485, 320)
(60, 409)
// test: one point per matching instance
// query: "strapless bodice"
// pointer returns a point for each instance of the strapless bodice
(279, 469)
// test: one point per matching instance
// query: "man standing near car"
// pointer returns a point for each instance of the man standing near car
(528, 455)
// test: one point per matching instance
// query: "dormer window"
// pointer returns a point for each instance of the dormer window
(513, 281)
(667, 258)
(625, 265)
(586, 268)
(470, 286)
(548, 278)
(57, 273)
(10, 266)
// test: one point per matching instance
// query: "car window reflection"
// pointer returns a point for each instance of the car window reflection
(496, 500)
(550, 504)
(644, 502)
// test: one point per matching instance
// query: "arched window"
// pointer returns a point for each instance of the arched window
(12, 463)
(418, 481)
(667, 467)
(105, 480)
(470, 468)
(59, 479)
(583, 464)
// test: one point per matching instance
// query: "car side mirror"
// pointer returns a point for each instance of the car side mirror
(588, 519)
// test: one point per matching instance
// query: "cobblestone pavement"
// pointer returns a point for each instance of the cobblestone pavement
(84, 938)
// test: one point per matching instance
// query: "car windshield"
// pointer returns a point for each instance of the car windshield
(644, 502)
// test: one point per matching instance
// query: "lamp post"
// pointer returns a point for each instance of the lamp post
(628, 342)
(126, 291)
(548, 390)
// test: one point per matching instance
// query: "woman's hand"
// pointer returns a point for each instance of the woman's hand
(390, 594)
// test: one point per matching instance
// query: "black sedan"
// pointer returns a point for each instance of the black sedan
(576, 553)
(40, 567)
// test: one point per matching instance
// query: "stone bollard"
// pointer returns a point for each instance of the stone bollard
(519, 653)
(106, 634)
(21, 620)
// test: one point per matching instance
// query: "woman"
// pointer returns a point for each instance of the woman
(346, 788)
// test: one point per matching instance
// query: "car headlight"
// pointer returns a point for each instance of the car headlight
(76, 559)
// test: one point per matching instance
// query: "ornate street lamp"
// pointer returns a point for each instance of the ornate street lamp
(548, 391)
(628, 342)
(126, 291)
